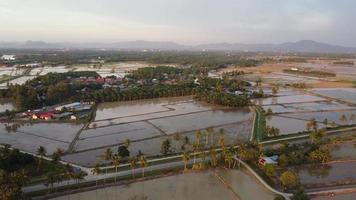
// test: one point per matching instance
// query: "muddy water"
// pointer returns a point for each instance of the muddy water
(288, 125)
(346, 94)
(343, 151)
(351, 196)
(190, 186)
(328, 174)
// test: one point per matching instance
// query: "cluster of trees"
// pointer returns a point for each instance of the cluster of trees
(159, 73)
(217, 91)
(16, 170)
(139, 92)
(45, 90)
(315, 73)
(272, 131)
(221, 98)
(191, 58)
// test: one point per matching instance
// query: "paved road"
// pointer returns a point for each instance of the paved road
(93, 178)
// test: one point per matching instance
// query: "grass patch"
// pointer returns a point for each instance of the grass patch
(260, 124)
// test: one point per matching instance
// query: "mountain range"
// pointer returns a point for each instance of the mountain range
(303, 46)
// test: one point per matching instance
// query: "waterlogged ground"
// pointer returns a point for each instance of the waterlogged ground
(334, 173)
(29, 137)
(189, 186)
(151, 147)
(147, 123)
(351, 196)
(288, 125)
(291, 113)
(345, 94)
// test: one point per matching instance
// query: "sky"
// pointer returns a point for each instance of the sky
(182, 21)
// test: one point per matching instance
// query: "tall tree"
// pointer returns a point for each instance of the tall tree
(41, 152)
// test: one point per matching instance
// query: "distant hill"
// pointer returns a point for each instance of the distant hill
(303, 46)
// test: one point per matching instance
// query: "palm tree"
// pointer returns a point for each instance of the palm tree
(107, 156)
(143, 164)
(50, 179)
(53, 177)
(127, 143)
(185, 158)
(133, 163)
(96, 171)
(222, 140)
(228, 158)
(116, 161)
(195, 150)
(198, 135)
(213, 157)
(177, 137)
(343, 119)
(41, 151)
(312, 125)
(209, 133)
(316, 136)
(186, 141)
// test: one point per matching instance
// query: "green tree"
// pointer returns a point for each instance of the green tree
(143, 164)
(166, 147)
(320, 156)
(289, 179)
(300, 194)
(41, 152)
(123, 151)
(96, 171)
(133, 164)
(185, 159)
(116, 159)
(270, 170)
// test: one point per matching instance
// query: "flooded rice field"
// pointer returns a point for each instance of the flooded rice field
(346, 151)
(344, 94)
(288, 99)
(202, 120)
(351, 196)
(339, 117)
(151, 146)
(184, 187)
(125, 112)
(29, 137)
(288, 125)
(334, 173)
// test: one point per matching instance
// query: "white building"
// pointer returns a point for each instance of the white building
(8, 57)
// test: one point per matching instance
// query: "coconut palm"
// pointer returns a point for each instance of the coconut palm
(228, 157)
(198, 136)
(222, 140)
(143, 164)
(107, 157)
(312, 125)
(177, 137)
(127, 143)
(133, 164)
(209, 133)
(185, 158)
(116, 161)
(213, 157)
(343, 119)
(96, 171)
(41, 151)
